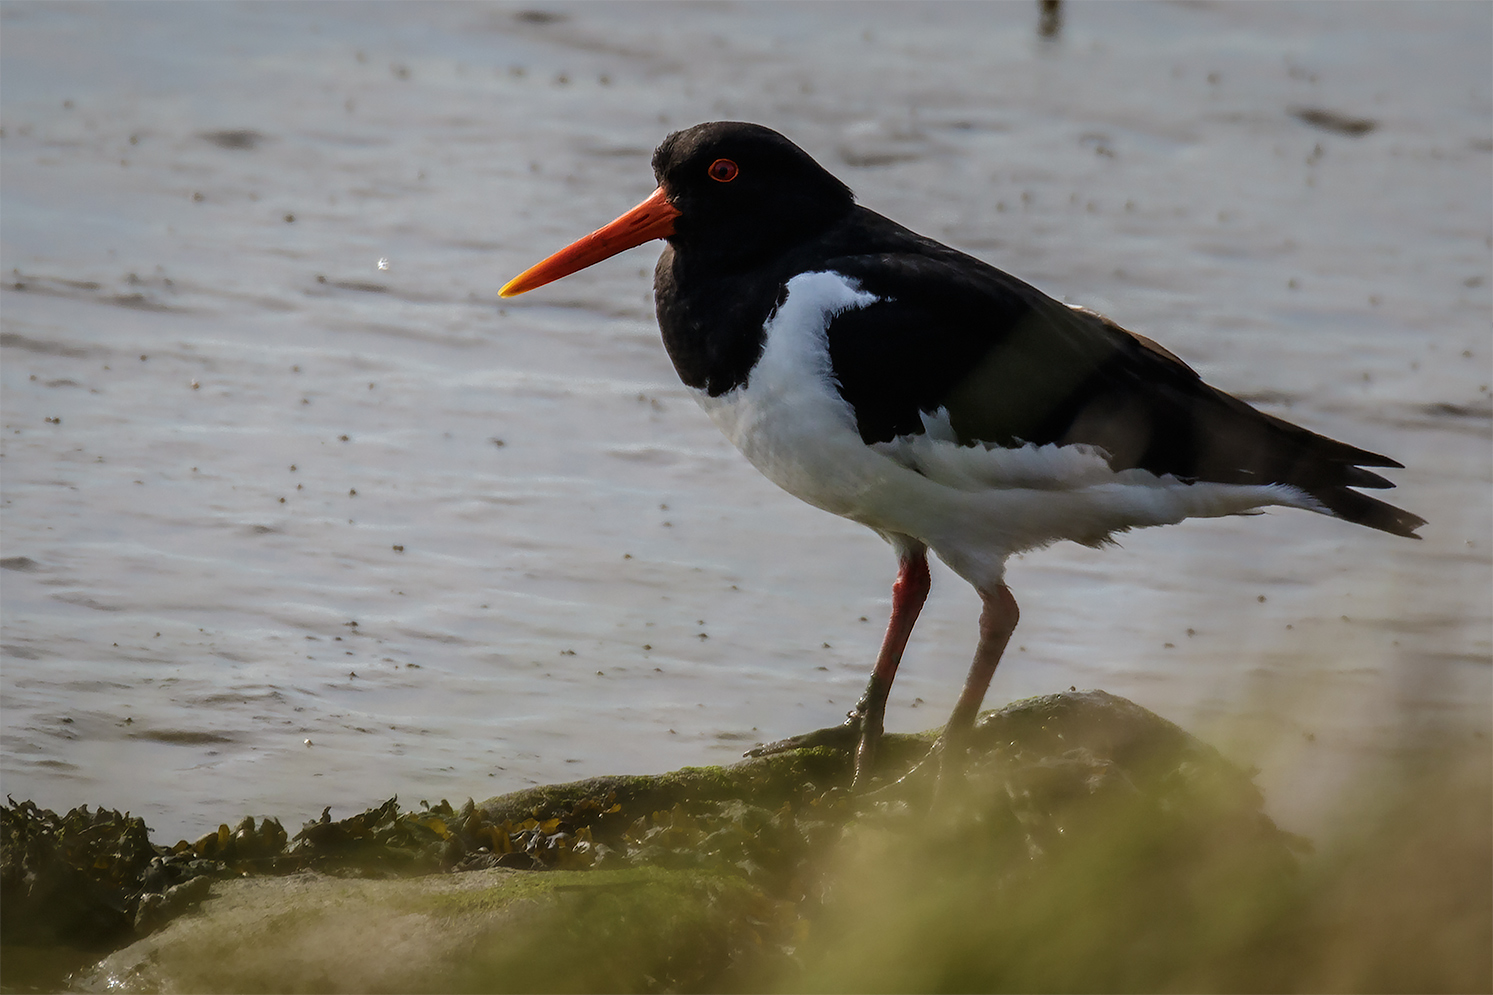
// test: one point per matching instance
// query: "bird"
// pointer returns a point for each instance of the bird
(948, 406)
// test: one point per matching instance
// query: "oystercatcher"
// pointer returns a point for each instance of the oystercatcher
(944, 404)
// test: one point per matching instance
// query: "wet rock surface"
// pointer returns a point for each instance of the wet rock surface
(701, 878)
(1090, 845)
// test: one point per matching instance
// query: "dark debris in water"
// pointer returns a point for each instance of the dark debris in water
(235, 138)
(539, 17)
(1343, 124)
(86, 290)
(1050, 19)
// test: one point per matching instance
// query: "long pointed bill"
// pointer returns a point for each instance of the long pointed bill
(653, 218)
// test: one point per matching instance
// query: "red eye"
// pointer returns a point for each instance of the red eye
(723, 170)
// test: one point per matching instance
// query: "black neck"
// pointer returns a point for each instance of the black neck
(712, 324)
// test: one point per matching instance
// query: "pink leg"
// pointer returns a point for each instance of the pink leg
(908, 594)
(997, 621)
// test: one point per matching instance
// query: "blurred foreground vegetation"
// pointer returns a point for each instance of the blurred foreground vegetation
(1097, 847)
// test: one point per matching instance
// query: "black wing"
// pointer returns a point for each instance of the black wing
(1011, 366)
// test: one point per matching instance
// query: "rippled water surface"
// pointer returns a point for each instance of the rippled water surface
(284, 529)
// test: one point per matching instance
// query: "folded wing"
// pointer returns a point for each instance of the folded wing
(1038, 371)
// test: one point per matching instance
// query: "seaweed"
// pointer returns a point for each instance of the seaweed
(1073, 801)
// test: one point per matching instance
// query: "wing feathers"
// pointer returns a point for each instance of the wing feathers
(1012, 366)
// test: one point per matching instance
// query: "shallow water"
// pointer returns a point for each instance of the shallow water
(283, 529)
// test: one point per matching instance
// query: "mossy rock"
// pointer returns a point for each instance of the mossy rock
(1088, 840)
(494, 930)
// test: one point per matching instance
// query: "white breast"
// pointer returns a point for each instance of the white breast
(973, 505)
(789, 419)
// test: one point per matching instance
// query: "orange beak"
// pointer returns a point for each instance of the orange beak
(653, 218)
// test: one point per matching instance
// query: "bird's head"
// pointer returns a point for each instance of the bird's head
(728, 192)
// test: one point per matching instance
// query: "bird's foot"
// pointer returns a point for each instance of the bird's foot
(844, 737)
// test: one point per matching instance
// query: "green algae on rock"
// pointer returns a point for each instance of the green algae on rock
(642, 929)
(1084, 817)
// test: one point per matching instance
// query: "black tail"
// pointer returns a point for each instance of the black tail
(1364, 510)
(1327, 470)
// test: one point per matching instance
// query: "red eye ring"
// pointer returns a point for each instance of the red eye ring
(723, 170)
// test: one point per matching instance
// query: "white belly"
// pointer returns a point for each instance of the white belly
(973, 505)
